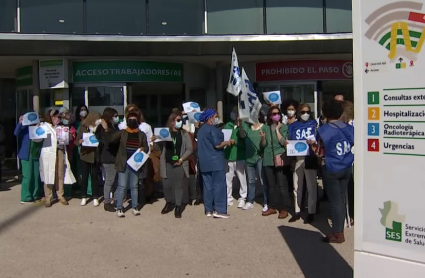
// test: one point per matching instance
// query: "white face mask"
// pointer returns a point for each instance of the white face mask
(98, 122)
(291, 113)
(305, 117)
(83, 113)
(216, 121)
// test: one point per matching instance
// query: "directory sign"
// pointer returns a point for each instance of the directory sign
(389, 64)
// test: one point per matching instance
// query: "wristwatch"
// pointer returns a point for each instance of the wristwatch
(181, 160)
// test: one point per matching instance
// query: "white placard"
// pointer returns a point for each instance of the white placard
(227, 134)
(37, 132)
(137, 160)
(311, 137)
(191, 107)
(389, 66)
(30, 118)
(90, 140)
(52, 74)
(62, 135)
(297, 148)
(162, 134)
(194, 116)
(272, 97)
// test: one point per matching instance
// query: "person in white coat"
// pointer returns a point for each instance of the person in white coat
(54, 165)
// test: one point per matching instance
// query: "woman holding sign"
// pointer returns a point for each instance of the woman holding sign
(131, 140)
(54, 165)
(334, 142)
(276, 165)
(174, 164)
(304, 129)
(88, 157)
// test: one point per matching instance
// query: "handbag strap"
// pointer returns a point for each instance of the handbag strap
(346, 137)
(271, 135)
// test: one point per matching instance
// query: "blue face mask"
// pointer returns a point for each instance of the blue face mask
(178, 125)
(216, 121)
(65, 122)
(116, 120)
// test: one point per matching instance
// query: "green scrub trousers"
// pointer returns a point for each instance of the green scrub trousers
(31, 186)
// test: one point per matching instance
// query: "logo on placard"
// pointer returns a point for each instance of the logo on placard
(164, 133)
(300, 147)
(40, 131)
(273, 97)
(400, 28)
(392, 221)
(138, 157)
(197, 116)
(32, 117)
(194, 105)
(93, 139)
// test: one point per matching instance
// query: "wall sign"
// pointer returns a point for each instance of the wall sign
(52, 74)
(126, 71)
(23, 76)
(304, 70)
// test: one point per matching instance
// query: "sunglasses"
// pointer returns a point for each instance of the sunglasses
(274, 114)
(305, 112)
(178, 120)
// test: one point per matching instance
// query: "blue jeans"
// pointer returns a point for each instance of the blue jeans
(336, 188)
(215, 191)
(252, 171)
(130, 177)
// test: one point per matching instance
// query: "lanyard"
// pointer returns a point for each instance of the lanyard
(175, 156)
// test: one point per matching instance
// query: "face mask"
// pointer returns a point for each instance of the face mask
(276, 118)
(83, 113)
(98, 122)
(291, 113)
(178, 125)
(305, 117)
(56, 121)
(116, 120)
(65, 122)
(132, 123)
(215, 121)
(233, 116)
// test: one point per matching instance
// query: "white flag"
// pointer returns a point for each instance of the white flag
(249, 103)
(235, 80)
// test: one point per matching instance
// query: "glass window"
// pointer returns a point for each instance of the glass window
(102, 97)
(338, 16)
(52, 16)
(198, 95)
(294, 16)
(116, 17)
(7, 16)
(235, 17)
(176, 17)
(77, 96)
(46, 100)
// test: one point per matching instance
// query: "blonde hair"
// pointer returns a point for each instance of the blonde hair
(91, 119)
(300, 108)
(348, 113)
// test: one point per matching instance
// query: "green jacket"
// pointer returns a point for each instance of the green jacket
(253, 144)
(273, 146)
(237, 151)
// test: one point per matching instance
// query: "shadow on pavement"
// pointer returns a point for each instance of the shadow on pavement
(315, 258)
(20, 216)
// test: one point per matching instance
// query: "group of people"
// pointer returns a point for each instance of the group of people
(197, 164)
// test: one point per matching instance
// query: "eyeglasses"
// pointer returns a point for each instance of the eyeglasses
(305, 112)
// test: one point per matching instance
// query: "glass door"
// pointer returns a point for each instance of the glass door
(23, 102)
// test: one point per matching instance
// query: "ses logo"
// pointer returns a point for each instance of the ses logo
(400, 28)
(392, 221)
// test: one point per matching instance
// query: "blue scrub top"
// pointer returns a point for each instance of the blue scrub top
(210, 159)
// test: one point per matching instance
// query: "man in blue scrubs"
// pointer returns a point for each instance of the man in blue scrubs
(212, 165)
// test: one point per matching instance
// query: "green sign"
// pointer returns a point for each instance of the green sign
(126, 71)
(23, 76)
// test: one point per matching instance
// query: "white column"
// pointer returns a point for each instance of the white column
(35, 87)
(219, 88)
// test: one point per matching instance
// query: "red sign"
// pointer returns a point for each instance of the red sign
(304, 70)
(373, 145)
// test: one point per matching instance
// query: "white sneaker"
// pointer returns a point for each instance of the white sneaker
(136, 212)
(96, 202)
(23, 203)
(209, 214)
(120, 214)
(230, 204)
(84, 201)
(265, 208)
(219, 215)
(248, 206)
(241, 203)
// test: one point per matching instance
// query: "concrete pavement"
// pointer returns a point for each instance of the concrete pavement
(74, 241)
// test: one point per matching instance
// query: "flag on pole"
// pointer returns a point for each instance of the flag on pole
(249, 103)
(235, 80)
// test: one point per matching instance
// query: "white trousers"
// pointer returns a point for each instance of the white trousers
(237, 168)
(311, 179)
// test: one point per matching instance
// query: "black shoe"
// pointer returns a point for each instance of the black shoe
(309, 219)
(178, 212)
(294, 218)
(167, 208)
(198, 202)
(190, 202)
(109, 207)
